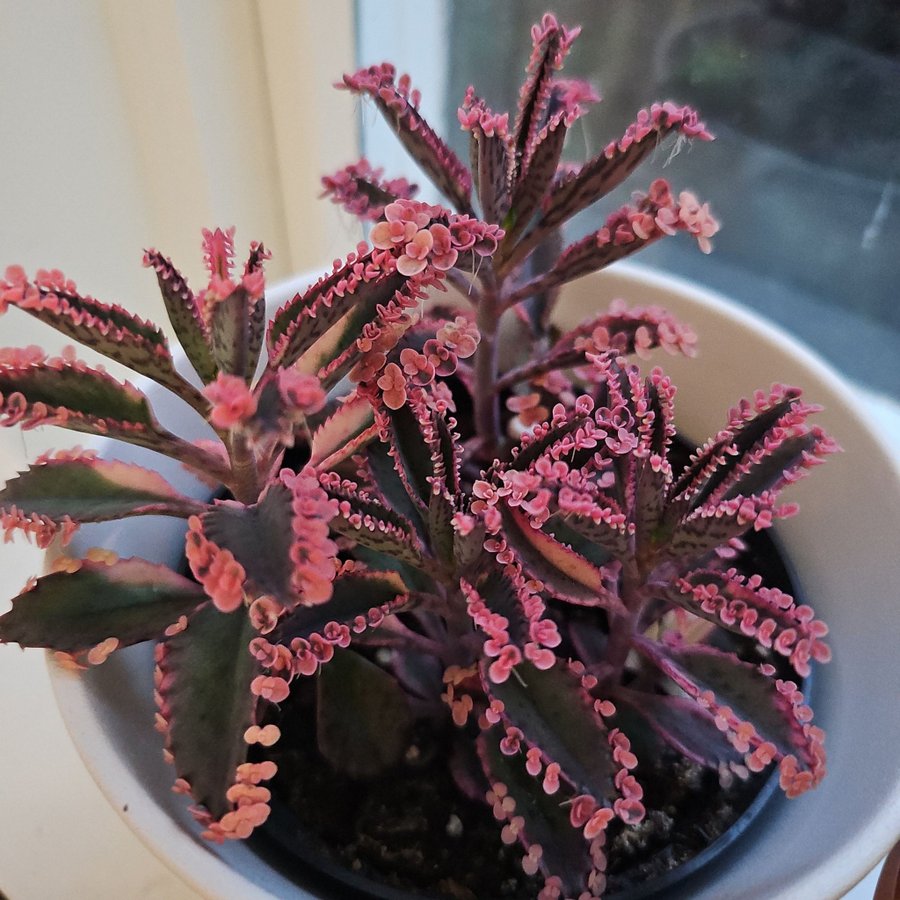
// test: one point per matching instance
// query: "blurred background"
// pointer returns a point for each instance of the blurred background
(126, 125)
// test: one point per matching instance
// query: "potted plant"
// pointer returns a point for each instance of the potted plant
(452, 528)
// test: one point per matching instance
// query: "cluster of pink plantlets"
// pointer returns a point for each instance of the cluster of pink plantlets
(442, 503)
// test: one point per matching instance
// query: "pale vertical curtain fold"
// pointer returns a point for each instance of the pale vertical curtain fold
(128, 124)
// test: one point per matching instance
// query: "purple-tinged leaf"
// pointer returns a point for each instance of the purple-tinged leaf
(490, 155)
(383, 482)
(368, 522)
(551, 42)
(535, 445)
(654, 473)
(597, 541)
(754, 710)
(399, 105)
(766, 443)
(356, 699)
(653, 215)
(236, 329)
(130, 600)
(412, 453)
(597, 177)
(619, 331)
(260, 538)
(361, 599)
(746, 607)
(556, 715)
(710, 527)
(109, 330)
(564, 851)
(72, 395)
(360, 190)
(184, 314)
(207, 704)
(593, 252)
(345, 432)
(82, 488)
(497, 589)
(565, 574)
(683, 725)
(533, 182)
(304, 320)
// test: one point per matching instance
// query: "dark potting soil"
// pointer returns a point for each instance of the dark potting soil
(411, 829)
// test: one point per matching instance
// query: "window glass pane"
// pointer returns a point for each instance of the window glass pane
(803, 96)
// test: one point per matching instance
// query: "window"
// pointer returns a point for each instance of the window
(803, 96)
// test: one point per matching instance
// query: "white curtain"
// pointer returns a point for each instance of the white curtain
(127, 124)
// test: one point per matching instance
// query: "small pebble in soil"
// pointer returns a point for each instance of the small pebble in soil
(412, 754)
(454, 826)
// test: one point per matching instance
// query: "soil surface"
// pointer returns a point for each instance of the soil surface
(412, 830)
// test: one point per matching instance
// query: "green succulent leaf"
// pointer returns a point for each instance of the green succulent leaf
(74, 396)
(181, 305)
(86, 489)
(131, 600)
(356, 699)
(555, 714)
(354, 594)
(209, 701)
(113, 332)
(259, 537)
(565, 851)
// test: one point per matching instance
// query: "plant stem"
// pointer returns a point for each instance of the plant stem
(245, 482)
(622, 626)
(487, 403)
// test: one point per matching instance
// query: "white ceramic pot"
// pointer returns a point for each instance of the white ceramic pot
(843, 546)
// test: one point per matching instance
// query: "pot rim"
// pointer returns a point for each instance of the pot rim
(212, 876)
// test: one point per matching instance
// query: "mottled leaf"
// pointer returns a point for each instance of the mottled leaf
(86, 489)
(131, 600)
(184, 314)
(208, 670)
(556, 715)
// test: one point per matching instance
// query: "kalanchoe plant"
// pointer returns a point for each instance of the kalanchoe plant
(536, 569)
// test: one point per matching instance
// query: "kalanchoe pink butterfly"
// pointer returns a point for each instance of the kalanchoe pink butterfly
(512, 530)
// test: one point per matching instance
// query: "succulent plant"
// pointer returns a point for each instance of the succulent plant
(494, 509)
